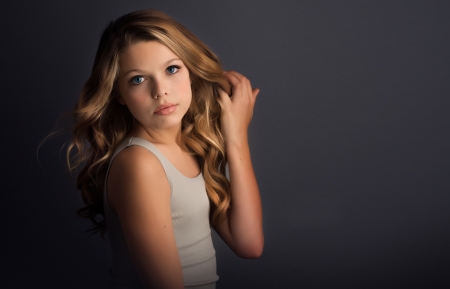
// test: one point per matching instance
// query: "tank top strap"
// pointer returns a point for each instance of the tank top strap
(127, 142)
(151, 147)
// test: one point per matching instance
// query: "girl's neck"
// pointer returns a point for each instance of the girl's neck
(170, 136)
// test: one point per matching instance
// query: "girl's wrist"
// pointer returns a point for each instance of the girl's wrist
(237, 142)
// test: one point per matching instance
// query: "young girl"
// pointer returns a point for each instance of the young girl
(163, 121)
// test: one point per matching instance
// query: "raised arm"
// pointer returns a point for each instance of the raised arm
(139, 192)
(242, 229)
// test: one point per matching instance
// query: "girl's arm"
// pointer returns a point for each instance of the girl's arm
(242, 229)
(139, 192)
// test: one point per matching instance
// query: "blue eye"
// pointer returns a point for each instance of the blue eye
(137, 79)
(172, 69)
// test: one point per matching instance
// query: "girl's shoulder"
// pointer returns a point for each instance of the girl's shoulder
(134, 161)
(133, 172)
(133, 150)
(135, 156)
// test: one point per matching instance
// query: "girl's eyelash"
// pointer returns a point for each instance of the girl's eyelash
(137, 77)
(173, 66)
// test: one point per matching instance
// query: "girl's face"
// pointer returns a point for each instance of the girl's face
(154, 84)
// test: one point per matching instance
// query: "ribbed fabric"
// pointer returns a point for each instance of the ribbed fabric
(190, 217)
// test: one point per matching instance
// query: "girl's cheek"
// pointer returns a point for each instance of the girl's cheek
(140, 98)
(184, 86)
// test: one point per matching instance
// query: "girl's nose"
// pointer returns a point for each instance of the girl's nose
(160, 88)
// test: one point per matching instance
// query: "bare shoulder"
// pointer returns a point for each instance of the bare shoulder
(135, 158)
(135, 170)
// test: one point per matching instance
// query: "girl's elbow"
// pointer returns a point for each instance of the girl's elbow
(251, 252)
(255, 254)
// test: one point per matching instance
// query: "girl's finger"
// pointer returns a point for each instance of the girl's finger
(232, 78)
(255, 92)
(223, 96)
(249, 89)
(236, 74)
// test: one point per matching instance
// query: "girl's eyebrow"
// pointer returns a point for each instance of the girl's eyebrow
(140, 71)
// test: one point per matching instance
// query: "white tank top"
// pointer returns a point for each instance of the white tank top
(190, 217)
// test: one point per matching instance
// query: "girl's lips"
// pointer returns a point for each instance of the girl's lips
(165, 108)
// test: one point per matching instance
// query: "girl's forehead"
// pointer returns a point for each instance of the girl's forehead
(146, 53)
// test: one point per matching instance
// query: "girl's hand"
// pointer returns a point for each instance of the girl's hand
(237, 109)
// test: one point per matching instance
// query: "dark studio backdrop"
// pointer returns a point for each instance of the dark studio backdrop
(350, 139)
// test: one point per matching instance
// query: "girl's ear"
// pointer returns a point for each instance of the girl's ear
(117, 95)
(120, 99)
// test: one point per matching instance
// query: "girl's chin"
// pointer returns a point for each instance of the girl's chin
(165, 125)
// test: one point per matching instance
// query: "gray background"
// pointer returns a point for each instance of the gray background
(350, 139)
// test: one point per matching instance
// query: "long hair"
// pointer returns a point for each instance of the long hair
(101, 122)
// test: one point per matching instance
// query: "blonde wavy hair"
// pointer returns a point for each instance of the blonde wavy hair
(101, 122)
